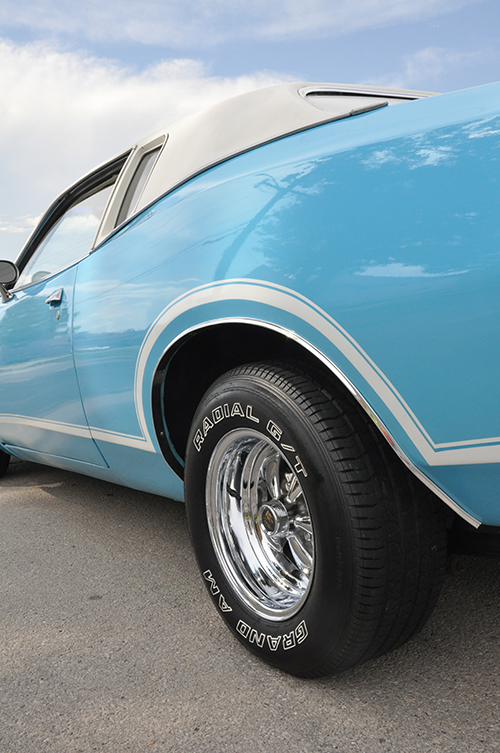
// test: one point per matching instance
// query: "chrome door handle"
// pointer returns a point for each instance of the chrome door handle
(55, 298)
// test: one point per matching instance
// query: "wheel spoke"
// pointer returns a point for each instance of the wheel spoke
(303, 525)
(260, 523)
(294, 489)
(301, 552)
(271, 475)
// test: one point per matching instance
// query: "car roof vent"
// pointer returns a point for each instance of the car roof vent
(338, 100)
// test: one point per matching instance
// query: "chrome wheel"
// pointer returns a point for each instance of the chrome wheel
(317, 547)
(260, 524)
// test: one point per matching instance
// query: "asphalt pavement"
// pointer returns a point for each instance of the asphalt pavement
(109, 642)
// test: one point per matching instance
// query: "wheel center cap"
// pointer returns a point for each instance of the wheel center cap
(273, 518)
(268, 519)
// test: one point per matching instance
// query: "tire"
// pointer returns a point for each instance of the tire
(4, 462)
(318, 547)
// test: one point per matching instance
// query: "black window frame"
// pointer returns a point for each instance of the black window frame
(98, 179)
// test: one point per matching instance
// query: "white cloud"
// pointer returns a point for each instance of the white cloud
(62, 113)
(18, 225)
(428, 65)
(200, 23)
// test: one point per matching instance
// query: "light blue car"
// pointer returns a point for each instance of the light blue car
(287, 309)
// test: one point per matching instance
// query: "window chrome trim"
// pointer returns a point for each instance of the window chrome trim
(109, 220)
(137, 184)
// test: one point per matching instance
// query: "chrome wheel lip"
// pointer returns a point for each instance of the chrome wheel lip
(260, 524)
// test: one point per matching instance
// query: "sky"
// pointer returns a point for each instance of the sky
(82, 81)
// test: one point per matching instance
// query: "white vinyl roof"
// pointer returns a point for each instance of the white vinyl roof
(238, 124)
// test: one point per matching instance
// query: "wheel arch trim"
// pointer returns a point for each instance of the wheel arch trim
(289, 301)
(338, 374)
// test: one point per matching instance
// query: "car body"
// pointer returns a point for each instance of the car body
(304, 223)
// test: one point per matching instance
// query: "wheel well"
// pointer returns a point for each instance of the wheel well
(187, 370)
(184, 375)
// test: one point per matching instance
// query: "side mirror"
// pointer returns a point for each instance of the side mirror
(8, 276)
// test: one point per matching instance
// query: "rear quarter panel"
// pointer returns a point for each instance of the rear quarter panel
(375, 239)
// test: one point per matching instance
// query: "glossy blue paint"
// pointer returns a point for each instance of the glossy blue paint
(41, 407)
(374, 239)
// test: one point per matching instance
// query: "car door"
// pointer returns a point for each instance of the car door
(41, 410)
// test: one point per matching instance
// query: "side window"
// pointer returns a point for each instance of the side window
(70, 237)
(69, 240)
(137, 183)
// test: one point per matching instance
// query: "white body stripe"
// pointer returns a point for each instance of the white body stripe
(44, 424)
(466, 452)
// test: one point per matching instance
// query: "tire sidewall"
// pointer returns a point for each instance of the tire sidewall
(318, 630)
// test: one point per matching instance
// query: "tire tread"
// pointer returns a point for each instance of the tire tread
(399, 526)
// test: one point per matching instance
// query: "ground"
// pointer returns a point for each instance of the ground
(110, 642)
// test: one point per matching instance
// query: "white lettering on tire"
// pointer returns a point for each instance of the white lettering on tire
(288, 640)
(214, 588)
(274, 430)
(223, 605)
(219, 414)
(215, 591)
(225, 411)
